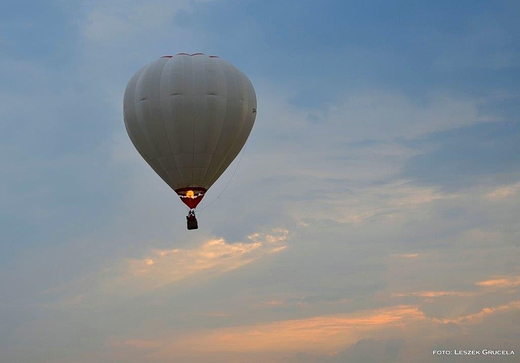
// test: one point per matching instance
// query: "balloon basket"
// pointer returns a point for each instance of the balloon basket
(191, 221)
(193, 224)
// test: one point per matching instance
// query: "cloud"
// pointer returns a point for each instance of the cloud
(503, 192)
(362, 115)
(129, 278)
(495, 285)
(468, 156)
(325, 337)
(484, 313)
(406, 255)
(434, 294)
(366, 146)
(316, 334)
(110, 22)
(212, 258)
(500, 282)
(402, 208)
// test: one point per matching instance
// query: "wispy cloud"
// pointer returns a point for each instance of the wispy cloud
(212, 258)
(489, 311)
(122, 19)
(325, 334)
(321, 333)
(494, 285)
(390, 155)
(406, 255)
(158, 268)
(504, 192)
(500, 282)
(433, 294)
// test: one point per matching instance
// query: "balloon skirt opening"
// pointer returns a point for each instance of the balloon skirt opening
(191, 196)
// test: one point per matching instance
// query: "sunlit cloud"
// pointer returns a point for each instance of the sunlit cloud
(323, 334)
(373, 252)
(159, 268)
(211, 258)
(301, 301)
(472, 318)
(484, 287)
(406, 255)
(433, 294)
(503, 192)
(500, 282)
(275, 303)
(276, 236)
(320, 334)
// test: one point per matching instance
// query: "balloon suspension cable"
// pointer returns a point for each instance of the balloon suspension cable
(229, 181)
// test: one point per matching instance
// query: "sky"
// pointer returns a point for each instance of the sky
(373, 216)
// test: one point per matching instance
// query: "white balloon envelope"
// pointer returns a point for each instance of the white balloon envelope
(189, 115)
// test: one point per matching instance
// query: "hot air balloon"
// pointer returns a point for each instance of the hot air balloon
(189, 115)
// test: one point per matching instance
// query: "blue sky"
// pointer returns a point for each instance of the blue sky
(373, 216)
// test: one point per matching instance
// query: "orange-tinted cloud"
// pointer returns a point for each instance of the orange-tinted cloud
(502, 192)
(433, 294)
(497, 283)
(406, 255)
(472, 318)
(500, 282)
(163, 267)
(133, 277)
(321, 333)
